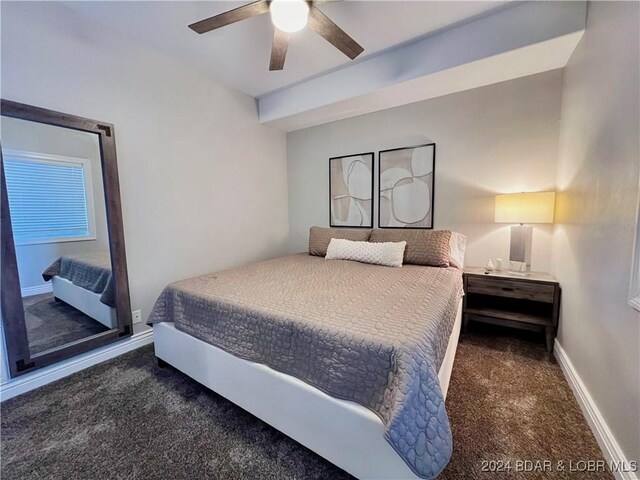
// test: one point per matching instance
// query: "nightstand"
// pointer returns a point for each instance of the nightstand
(530, 302)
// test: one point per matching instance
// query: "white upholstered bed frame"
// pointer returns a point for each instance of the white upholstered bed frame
(84, 300)
(345, 433)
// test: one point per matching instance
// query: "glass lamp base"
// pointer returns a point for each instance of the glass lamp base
(520, 247)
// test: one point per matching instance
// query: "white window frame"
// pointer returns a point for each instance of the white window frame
(48, 159)
(634, 288)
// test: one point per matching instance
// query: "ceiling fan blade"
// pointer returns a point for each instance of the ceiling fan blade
(252, 9)
(279, 49)
(332, 33)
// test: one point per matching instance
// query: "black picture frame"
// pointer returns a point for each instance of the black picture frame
(21, 361)
(433, 183)
(331, 222)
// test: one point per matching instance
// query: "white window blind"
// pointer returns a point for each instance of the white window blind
(49, 198)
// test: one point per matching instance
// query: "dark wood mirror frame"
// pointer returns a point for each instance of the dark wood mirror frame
(13, 319)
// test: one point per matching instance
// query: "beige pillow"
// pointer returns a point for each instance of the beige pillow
(388, 254)
(424, 247)
(320, 237)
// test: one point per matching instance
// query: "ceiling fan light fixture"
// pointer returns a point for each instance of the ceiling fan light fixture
(289, 15)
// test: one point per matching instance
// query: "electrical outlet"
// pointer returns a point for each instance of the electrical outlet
(137, 316)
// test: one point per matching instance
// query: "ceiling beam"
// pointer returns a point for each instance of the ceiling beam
(522, 40)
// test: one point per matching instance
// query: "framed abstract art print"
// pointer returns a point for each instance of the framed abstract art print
(405, 188)
(351, 191)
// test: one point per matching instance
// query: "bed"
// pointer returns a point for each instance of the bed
(86, 283)
(351, 360)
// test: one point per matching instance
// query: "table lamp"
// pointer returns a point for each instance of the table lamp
(521, 209)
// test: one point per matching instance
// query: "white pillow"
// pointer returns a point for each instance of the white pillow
(457, 246)
(389, 254)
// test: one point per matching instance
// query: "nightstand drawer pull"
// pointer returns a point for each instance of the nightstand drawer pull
(522, 289)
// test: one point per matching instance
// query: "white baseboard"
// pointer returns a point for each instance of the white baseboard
(610, 448)
(25, 383)
(37, 290)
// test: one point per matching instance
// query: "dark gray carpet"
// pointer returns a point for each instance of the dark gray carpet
(127, 418)
(51, 324)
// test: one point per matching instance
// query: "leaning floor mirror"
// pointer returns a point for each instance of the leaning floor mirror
(64, 287)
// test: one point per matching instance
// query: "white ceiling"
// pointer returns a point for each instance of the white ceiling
(238, 54)
(528, 38)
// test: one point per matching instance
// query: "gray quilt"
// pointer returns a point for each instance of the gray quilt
(91, 272)
(369, 334)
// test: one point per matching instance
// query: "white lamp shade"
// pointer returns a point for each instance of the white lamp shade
(534, 207)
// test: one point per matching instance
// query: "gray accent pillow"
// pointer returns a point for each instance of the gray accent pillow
(319, 237)
(424, 247)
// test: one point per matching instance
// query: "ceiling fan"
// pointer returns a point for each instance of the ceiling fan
(288, 16)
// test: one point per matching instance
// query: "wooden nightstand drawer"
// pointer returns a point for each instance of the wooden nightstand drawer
(539, 292)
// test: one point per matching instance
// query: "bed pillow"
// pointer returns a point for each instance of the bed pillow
(389, 254)
(320, 237)
(424, 247)
(457, 247)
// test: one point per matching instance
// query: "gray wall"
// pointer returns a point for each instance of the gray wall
(596, 205)
(496, 139)
(34, 137)
(203, 183)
